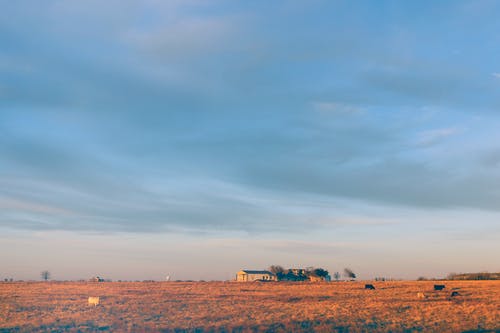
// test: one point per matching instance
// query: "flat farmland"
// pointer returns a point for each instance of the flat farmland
(250, 307)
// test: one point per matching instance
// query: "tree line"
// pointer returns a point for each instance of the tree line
(309, 273)
(473, 276)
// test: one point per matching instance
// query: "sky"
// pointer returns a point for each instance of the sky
(140, 139)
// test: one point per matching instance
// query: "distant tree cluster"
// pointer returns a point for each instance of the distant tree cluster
(299, 274)
(309, 273)
(319, 272)
(473, 276)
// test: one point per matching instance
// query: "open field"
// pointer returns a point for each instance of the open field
(250, 307)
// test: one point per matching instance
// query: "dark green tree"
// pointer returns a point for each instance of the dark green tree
(320, 272)
(45, 275)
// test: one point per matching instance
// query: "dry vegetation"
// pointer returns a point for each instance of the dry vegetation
(250, 307)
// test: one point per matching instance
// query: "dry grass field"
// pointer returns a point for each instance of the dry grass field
(250, 307)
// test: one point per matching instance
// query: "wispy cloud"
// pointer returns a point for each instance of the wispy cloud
(431, 137)
(9, 204)
(335, 108)
(218, 98)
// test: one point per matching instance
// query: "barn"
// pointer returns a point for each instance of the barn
(246, 275)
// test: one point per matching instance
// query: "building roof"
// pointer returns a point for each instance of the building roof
(256, 272)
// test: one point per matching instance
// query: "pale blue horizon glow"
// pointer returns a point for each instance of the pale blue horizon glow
(140, 139)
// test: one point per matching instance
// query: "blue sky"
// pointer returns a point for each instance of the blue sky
(195, 138)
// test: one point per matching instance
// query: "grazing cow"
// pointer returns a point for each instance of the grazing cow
(369, 286)
(454, 293)
(94, 301)
(439, 286)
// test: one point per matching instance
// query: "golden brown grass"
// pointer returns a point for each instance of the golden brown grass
(250, 307)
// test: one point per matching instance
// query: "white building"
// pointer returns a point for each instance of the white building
(246, 275)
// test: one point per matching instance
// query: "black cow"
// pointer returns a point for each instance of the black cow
(369, 286)
(455, 293)
(439, 286)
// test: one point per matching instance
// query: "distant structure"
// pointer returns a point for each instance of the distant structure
(167, 278)
(314, 278)
(298, 271)
(96, 279)
(246, 275)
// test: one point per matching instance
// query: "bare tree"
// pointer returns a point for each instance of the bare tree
(45, 275)
(349, 273)
(275, 269)
(278, 270)
(336, 276)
